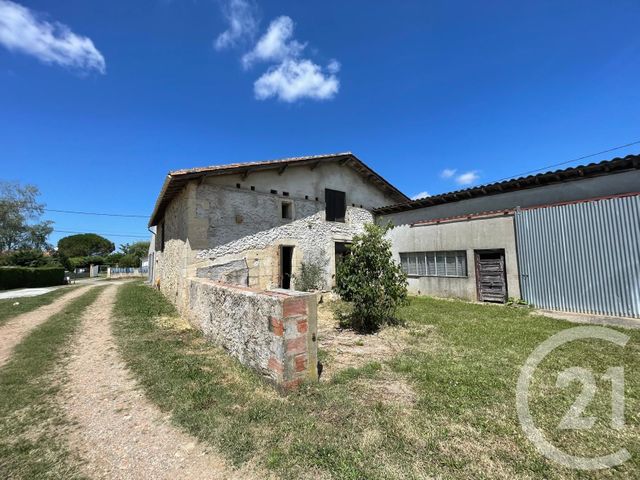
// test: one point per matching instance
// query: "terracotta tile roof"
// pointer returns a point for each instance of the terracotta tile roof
(177, 179)
(605, 167)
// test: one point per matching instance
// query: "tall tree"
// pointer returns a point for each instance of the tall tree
(133, 253)
(19, 215)
(85, 245)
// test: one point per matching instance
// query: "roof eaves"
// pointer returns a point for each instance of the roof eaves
(530, 181)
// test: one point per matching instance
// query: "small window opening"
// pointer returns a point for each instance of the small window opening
(287, 210)
(237, 185)
(275, 192)
(335, 205)
(306, 197)
(286, 194)
(253, 188)
(316, 199)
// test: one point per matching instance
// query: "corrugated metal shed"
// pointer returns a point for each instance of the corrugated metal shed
(582, 257)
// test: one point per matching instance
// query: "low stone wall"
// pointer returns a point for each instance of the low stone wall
(273, 332)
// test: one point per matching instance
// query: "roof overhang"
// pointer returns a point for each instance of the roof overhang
(607, 167)
(176, 180)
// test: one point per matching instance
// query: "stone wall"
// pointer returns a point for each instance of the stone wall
(248, 224)
(273, 332)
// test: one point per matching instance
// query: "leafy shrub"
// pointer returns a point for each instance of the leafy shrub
(311, 277)
(370, 279)
(27, 277)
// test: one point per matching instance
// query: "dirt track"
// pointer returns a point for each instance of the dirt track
(14, 331)
(118, 433)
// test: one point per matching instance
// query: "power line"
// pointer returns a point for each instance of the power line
(108, 234)
(97, 213)
(568, 161)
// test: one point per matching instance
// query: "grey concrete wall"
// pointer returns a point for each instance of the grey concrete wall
(273, 332)
(468, 235)
(563, 192)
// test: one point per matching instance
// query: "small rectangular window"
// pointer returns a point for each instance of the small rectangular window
(287, 211)
(435, 264)
(336, 205)
(275, 192)
(162, 237)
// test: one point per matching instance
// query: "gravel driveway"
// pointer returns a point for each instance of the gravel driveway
(12, 332)
(117, 432)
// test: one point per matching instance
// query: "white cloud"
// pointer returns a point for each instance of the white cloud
(291, 76)
(420, 195)
(21, 31)
(448, 172)
(334, 66)
(276, 45)
(294, 79)
(243, 23)
(467, 178)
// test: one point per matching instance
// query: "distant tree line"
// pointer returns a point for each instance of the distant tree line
(23, 237)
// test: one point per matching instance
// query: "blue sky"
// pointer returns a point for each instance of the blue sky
(99, 100)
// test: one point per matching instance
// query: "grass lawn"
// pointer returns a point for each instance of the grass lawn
(30, 422)
(442, 405)
(26, 304)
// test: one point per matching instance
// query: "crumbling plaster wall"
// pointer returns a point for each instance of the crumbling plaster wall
(248, 224)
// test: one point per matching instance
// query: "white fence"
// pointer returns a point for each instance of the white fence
(117, 272)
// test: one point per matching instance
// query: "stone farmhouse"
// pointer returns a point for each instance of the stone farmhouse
(253, 224)
(229, 240)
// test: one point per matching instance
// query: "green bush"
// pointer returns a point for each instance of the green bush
(371, 280)
(311, 277)
(27, 277)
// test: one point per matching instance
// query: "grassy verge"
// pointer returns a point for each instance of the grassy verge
(26, 304)
(453, 417)
(30, 446)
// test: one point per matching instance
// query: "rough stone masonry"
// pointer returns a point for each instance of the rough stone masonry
(273, 331)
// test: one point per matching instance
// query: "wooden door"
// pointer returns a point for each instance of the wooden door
(491, 280)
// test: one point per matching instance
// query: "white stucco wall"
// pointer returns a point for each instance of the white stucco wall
(301, 181)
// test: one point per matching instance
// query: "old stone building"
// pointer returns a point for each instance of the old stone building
(253, 224)
(229, 241)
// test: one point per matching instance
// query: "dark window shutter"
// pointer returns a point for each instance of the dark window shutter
(336, 205)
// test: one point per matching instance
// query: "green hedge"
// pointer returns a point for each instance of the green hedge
(25, 277)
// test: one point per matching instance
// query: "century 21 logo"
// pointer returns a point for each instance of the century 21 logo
(574, 418)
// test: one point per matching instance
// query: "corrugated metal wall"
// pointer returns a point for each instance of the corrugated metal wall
(582, 257)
